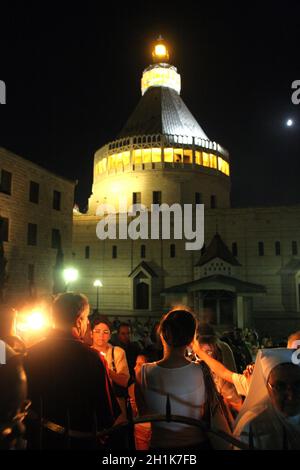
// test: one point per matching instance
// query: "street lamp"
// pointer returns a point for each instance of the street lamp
(97, 284)
(70, 275)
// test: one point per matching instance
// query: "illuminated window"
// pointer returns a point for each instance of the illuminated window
(126, 158)
(223, 166)
(187, 156)
(146, 155)
(111, 162)
(137, 156)
(156, 155)
(205, 158)
(168, 155)
(119, 162)
(220, 163)
(178, 155)
(213, 161)
(198, 158)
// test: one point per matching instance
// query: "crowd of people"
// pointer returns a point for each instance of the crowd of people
(98, 383)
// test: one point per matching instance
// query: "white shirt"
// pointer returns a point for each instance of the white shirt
(186, 389)
(120, 360)
(241, 384)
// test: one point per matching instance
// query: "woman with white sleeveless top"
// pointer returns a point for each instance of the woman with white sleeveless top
(174, 376)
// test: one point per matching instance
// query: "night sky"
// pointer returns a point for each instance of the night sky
(73, 78)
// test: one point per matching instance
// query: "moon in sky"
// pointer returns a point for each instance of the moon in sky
(289, 122)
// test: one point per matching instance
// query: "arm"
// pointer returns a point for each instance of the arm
(119, 379)
(216, 366)
(139, 395)
(121, 376)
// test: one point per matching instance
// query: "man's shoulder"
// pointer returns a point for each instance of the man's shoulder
(66, 347)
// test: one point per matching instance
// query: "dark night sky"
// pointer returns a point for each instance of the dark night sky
(73, 78)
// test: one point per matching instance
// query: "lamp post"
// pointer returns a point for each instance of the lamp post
(97, 284)
(70, 275)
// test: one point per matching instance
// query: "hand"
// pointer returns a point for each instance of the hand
(248, 371)
(197, 350)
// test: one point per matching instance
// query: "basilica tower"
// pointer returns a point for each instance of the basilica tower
(161, 155)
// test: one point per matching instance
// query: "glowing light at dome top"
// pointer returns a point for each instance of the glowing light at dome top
(160, 50)
(161, 73)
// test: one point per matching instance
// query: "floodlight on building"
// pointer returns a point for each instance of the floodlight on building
(70, 275)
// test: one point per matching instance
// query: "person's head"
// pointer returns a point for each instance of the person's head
(177, 328)
(141, 359)
(100, 331)
(238, 334)
(284, 388)
(124, 333)
(70, 313)
(209, 346)
(13, 394)
(294, 340)
(207, 339)
(269, 343)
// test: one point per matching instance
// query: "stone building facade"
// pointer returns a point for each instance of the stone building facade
(36, 213)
